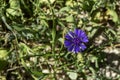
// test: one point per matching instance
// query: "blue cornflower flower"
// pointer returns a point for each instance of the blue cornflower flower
(75, 41)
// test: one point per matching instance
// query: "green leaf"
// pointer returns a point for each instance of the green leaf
(37, 73)
(69, 3)
(4, 20)
(61, 24)
(79, 57)
(25, 49)
(113, 14)
(47, 1)
(72, 75)
(93, 72)
(65, 9)
(14, 8)
(18, 28)
(70, 18)
(14, 3)
(3, 53)
(43, 22)
(13, 12)
(61, 40)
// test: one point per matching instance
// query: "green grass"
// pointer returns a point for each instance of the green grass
(32, 38)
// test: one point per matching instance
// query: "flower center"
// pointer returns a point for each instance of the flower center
(76, 41)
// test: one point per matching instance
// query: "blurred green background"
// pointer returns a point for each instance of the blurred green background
(32, 39)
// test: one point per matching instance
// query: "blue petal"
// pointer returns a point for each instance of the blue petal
(81, 34)
(77, 32)
(83, 47)
(70, 48)
(76, 49)
(84, 39)
(67, 43)
(70, 35)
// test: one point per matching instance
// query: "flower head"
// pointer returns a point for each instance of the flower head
(75, 41)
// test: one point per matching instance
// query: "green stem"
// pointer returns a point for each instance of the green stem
(53, 27)
(53, 36)
(53, 32)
